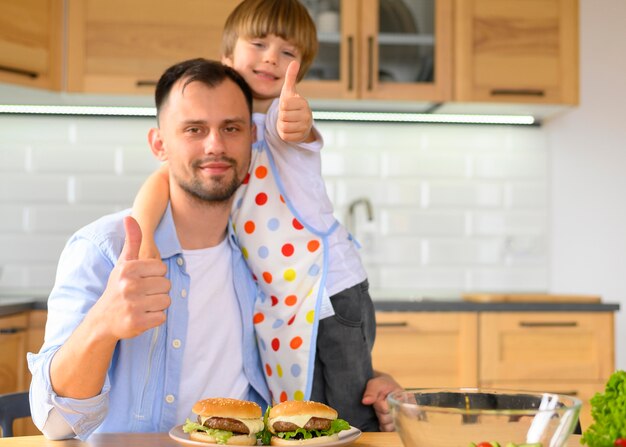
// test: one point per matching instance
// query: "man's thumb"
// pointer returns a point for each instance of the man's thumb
(132, 243)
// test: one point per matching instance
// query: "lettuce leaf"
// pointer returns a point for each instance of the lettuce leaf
(335, 427)
(221, 436)
(609, 413)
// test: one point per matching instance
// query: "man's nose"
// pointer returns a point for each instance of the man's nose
(214, 143)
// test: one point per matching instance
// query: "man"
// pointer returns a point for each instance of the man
(120, 354)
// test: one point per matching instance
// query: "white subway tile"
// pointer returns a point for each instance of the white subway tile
(465, 194)
(11, 218)
(344, 163)
(29, 275)
(509, 279)
(104, 189)
(399, 277)
(413, 164)
(511, 166)
(13, 157)
(394, 251)
(378, 191)
(138, 159)
(23, 247)
(113, 130)
(507, 223)
(73, 159)
(33, 188)
(526, 195)
(64, 219)
(32, 129)
(454, 138)
(463, 251)
(421, 223)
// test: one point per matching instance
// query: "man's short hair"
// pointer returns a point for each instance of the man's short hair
(287, 19)
(209, 72)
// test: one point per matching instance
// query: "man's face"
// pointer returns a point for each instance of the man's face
(206, 135)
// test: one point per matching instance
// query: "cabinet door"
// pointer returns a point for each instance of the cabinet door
(117, 46)
(31, 42)
(427, 349)
(529, 346)
(517, 51)
(13, 349)
(382, 49)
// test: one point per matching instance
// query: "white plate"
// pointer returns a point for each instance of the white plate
(345, 437)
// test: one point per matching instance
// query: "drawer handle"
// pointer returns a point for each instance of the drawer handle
(12, 330)
(350, 63)
(146, 83)
(370, 64)
(393, 324)
(517, 92)
(19, 71)
(548, 323)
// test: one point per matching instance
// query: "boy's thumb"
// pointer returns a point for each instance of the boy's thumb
(132, 243)
(291, 78)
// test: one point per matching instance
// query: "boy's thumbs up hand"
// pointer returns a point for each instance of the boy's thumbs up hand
(294, 115)
(136, 294)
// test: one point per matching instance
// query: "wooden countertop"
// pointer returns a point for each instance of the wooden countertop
(163, 440)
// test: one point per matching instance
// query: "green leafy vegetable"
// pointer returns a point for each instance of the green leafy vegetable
(335, 427)
(265, 435)
(221, 436)
(609, 413)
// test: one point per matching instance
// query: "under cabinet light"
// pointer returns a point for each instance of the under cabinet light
(319, 115)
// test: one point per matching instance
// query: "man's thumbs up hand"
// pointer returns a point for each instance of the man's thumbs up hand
(295, 118)
(136, 295)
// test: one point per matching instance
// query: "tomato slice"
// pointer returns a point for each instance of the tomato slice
(620, 442)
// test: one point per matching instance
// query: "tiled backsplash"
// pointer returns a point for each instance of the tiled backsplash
(455, 208)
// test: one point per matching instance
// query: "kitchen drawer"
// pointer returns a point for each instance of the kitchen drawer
(582, 390)
(546, 346)
(427, 349)
(13, 349)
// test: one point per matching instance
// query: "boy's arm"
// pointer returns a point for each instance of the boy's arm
(295, 119)
(149, 207)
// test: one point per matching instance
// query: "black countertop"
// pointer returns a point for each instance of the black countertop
(17, 305)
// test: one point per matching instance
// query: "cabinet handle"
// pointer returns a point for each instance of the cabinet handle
(12, 330)
(19, 71)
(370, 65)
(393, 324)
(350, 63)
(548, 323)
(517, 92)
(145, 83)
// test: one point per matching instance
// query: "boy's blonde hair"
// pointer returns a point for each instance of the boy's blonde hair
(287, 19)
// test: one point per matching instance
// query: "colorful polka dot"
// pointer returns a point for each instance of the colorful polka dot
(283, 396)
(282, 199)
(296, 370)
(279, 370)
(296, 224)
(310, 316)
(274, 300)
(273, 224)
(260, 172)
(295, 342)
(239, 202)
(291, 300)
(289, 275)
(287, 250)
(275, 344)
(313, 245)
(247, 179)
(258, 318)
(291, 320)
(249, 227)
(267, 276)
(261, 198)
(298, 395)
(263, 252)
(244, 252)
(268, 369)
(262, 344)
(278, 323)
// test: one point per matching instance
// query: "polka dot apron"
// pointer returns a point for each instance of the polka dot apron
(289, 260)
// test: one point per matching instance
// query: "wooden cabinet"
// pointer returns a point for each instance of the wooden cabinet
(571, 352)
(117, 46)
(427, 349)
(31, 43)
(381, 49)
(517, 51)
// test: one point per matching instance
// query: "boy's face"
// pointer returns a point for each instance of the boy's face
(263, 61)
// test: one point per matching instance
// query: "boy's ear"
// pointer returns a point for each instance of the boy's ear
(156, 144)
(227, 60)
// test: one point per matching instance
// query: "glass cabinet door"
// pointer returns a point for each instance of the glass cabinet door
(382, 49)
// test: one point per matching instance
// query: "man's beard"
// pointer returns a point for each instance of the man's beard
(221, 191)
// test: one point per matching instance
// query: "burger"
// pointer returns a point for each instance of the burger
(297, 422)
(225, 421)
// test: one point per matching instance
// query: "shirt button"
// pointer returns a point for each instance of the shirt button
(183, 293)
(179, 261)
(169, 398)
(176, 343)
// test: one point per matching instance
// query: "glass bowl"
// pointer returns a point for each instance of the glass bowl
(467, 417)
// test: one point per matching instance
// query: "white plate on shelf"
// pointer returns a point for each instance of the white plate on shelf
(345, 437)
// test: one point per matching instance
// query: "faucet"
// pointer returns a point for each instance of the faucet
(351, 221)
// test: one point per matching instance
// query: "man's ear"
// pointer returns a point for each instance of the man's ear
(156, 144)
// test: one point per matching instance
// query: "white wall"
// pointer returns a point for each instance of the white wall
(588, 169)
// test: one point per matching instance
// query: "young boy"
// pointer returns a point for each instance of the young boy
(314, 317)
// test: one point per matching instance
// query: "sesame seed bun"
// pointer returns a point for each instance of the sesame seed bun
(227, 408)
(302, 407)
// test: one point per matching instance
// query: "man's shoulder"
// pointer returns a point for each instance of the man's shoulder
(107, 231)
